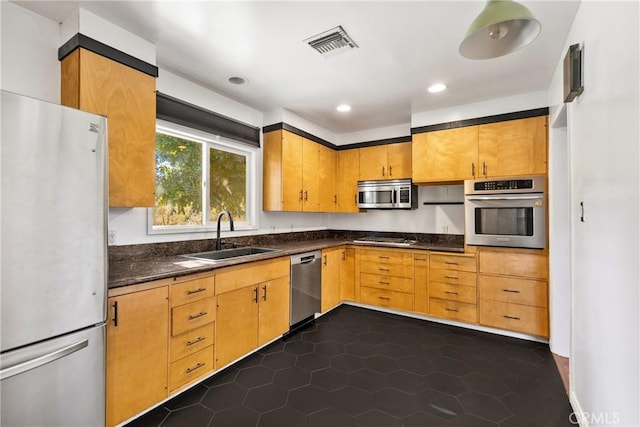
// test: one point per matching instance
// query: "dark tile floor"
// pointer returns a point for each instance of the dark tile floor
(358, 367)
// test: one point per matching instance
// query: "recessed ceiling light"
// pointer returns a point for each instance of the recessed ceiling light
(237, 80)
(438, 87)
(343, 108)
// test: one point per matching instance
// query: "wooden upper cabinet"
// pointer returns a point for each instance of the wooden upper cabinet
(390, 161)
(373, 162)
(291, 171)
(348, 172)
(310, 174)
(446, 155)
(96, 84)
(296, 173)
(399, 160)
(282, 172)
(514, 147)
(327, 174)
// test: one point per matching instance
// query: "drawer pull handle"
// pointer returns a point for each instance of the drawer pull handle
(383, 283)
(264, 293)
(451, 292)
(450, 263)
(383, 269)
(512, 291)
(451, 277)
(195, 316)
(511, 317)
(195, 291)
(385, 298)
(452, 309)
(198, 366)
(383, 257)
(420, 259)
(196, 341)
(255, 295)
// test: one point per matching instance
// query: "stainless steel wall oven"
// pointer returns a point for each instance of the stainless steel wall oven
(507, 212)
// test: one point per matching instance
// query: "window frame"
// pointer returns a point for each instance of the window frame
(208, 141)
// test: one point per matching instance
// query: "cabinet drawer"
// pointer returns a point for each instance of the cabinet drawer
(236, 277)
(453, 262)
(192, 290)
(375, 257)
(533, 265)
(390, 269)
(452, 292)
(192, 315)
(400, 284)
(191, 341)
(453, 310)
(190, 368)
(513, 290)
(384, 298)
(515, 317)
(453, 277)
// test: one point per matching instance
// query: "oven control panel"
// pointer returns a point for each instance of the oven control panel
(520, 185)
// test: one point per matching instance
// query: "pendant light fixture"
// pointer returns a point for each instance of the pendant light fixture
(504, 26)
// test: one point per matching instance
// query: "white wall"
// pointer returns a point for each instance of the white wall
(559, 237)
(491, 107)
(604, 152)
(29, 58)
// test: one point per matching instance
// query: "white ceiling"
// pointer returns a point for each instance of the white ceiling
(403, 48)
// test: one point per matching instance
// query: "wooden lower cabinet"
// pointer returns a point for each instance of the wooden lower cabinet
(273, 312)
(452, 286)
(385, 298)
(453, 310)
(421, 282)
(253, 307)
(190, 368)
(514, 290)
(331, 263)
(386, 278)
(137, 350)
(348, 275)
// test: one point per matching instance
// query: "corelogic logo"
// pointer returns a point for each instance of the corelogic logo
(595, 418)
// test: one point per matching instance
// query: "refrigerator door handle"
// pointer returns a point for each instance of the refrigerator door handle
(42, 360)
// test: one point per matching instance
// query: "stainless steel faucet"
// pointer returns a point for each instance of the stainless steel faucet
(218, 241)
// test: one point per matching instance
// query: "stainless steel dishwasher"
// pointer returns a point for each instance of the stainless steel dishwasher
(306, 273)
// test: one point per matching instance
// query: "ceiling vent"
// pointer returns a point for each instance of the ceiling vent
(331, 42)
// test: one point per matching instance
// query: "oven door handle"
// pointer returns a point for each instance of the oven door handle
(519, 197)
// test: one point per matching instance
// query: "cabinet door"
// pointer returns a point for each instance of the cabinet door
(127, 97)
(331, 260)
(399, 160)
(348, 173)
(272, 171)
(373, 163)
(310, 184)
(137, 352)
(421, 282)
(446, 155)
(328, 200)
(291, 172)
(348, 275)
(273, 309)
(515, 147)
(236, 324)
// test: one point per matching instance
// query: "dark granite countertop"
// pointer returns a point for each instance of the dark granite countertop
(143, 263)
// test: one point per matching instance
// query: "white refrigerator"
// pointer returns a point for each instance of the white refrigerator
(53, 264)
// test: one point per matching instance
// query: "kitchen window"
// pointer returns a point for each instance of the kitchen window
(198, 175)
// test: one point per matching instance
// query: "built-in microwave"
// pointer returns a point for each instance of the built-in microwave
(509, 212)
(387, 194)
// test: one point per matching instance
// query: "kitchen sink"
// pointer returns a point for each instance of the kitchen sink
(230, 253)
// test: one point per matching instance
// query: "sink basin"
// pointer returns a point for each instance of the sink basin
(229, 253)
